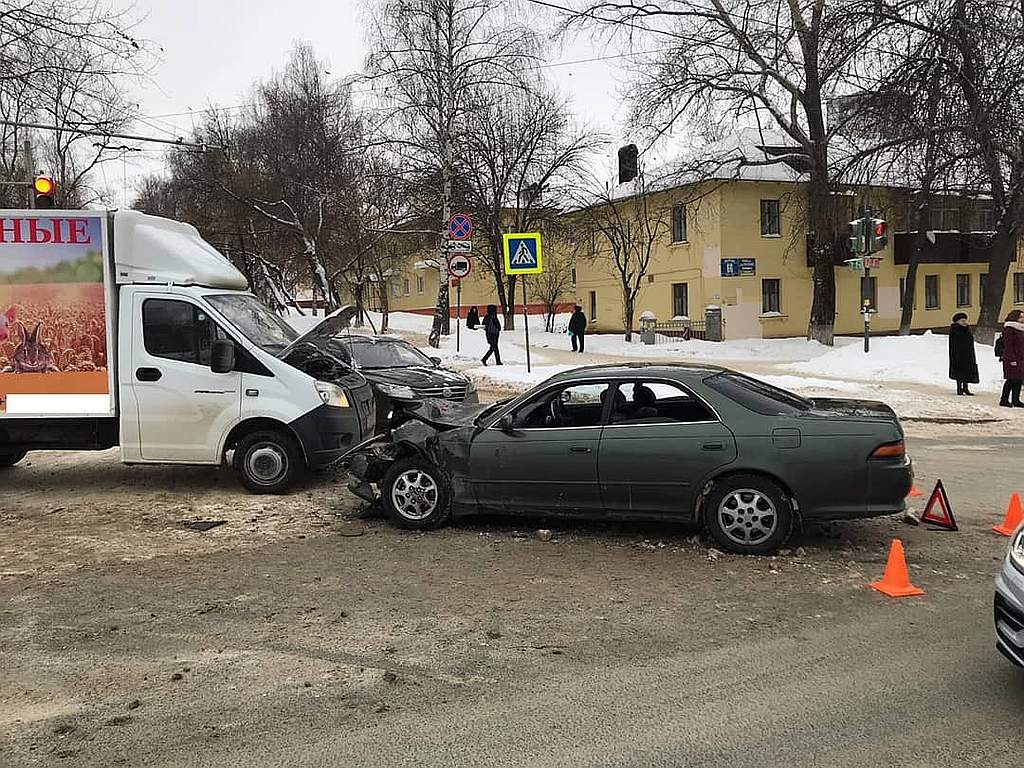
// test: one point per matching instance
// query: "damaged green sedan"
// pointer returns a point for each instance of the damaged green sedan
(689, 443)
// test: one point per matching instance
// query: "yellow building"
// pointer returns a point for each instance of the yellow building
(738, 242)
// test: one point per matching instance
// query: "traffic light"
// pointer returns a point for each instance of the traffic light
(857, 242)
(628, 156)
(878, 236)
(43, 188)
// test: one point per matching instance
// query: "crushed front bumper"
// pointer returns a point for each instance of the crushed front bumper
(1009, 612)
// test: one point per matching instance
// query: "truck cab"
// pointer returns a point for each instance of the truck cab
(198, 369)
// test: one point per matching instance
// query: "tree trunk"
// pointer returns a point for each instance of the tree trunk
(910, 292)
(628, 308)
(1004, 252)
(821, 327)
(384, 306)
(510, 308)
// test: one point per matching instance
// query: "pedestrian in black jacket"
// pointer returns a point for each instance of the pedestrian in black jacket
(578, 328)
(492, 329)
(472, 319)
(963, 365)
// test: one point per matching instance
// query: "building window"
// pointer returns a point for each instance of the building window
(771, 223)
(574, 275)
(931, 291)
(903, 292)
(419, 284)
(679, 224)
(985, 220)
(1018, 287)
(945, 219)
(982, 280)
(869, 291)
(405, 286)
(396, 290)
(593, 305)
(771, 300)
(681, 300)
(963, 290)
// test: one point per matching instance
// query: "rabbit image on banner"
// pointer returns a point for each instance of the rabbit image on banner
(6, 321)
(31, 355)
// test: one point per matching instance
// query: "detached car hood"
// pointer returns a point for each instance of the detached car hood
(852, 409)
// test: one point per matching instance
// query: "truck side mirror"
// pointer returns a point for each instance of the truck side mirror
(222, 356)
(436, 361)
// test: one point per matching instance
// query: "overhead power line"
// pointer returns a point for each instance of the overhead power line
(109, 135)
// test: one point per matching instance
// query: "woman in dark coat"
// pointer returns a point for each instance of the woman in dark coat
(492, 328)
(472, 319)
(1013, 359)
(963, 365)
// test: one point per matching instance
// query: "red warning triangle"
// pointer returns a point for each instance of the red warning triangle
(938, 511)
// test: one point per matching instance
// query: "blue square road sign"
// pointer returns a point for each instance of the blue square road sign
(523, 253)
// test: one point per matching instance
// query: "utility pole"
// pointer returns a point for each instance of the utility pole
(30, 173)
(865, 286)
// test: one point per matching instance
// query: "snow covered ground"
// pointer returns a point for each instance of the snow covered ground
(909, 373)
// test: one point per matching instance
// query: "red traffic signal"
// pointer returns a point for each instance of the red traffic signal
(880, 228)
(43, 188)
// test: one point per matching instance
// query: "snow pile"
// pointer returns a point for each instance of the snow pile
(913, 359)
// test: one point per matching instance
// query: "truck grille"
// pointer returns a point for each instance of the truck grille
(455, 392)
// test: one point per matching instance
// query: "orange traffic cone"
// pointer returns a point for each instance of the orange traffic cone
(896, 581)
(1014, 517)
(914, 492)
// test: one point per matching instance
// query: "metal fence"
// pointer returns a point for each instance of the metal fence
(668, 331)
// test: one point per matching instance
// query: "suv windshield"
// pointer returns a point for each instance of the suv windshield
(757, 395)
(386, 354)
(253, 318)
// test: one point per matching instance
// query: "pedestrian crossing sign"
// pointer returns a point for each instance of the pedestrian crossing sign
(523, 255)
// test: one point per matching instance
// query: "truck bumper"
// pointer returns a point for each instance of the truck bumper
(327, 433)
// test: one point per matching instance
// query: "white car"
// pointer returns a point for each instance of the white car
(1009, 602)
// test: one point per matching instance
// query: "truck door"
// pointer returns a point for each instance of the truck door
(184, 408)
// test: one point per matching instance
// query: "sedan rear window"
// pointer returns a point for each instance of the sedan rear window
(757, 396)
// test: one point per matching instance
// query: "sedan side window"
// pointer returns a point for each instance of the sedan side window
(657, 402)
(575, 405)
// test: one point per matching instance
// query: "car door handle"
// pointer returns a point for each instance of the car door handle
(148, 374)
(712, 446)
(579, 449)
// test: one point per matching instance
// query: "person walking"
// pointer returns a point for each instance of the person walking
(1013, 359)
(492, 328)
(963, 363)
(578, 328)
(472, 319)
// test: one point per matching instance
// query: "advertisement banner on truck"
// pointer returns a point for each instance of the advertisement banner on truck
(53, 315)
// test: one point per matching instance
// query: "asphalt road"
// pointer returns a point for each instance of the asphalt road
(608, 646)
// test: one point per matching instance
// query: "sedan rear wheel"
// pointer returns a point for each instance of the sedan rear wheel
(748, 514)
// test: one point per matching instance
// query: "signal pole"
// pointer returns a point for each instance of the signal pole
(30, 173)
(865, 287)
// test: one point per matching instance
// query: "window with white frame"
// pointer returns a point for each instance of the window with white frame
(771, 218)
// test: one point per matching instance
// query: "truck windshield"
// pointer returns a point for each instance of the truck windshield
(249, 315)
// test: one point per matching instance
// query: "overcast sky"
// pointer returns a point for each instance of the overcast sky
(214, 50)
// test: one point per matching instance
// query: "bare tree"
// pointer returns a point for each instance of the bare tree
(428, 58)
(736, 62)
(553, 287)
(520, 151)
(626, 224)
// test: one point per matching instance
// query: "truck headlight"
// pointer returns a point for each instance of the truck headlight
(332, 394)
(400, 391)
(1017, 549)
(470, 386)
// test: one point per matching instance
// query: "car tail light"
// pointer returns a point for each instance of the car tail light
(895, 450)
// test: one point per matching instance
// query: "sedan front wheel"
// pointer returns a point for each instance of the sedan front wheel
(748, 515)
(416, 494)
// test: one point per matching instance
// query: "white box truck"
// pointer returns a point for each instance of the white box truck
(123, 329)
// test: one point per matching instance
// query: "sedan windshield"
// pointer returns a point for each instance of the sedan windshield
(386, 354)
(255, 320)
(757, 395)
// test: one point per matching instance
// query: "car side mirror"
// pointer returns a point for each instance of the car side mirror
(436, 361)
(222, 356)
(506, 424)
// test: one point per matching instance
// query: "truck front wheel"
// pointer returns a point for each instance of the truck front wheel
(268, 461)
(10, 458)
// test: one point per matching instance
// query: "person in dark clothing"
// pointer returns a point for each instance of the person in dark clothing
(578, 328)
(963, 364)
(472, 319)
(492, 328)
(1013, 359)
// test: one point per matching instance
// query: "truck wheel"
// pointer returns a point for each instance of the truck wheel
(416, 494)
(748, 515)
(268, 461)
(10, 458)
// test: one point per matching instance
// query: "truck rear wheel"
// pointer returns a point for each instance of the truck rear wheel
(10, 458)
(268, 461)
